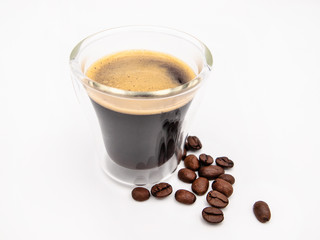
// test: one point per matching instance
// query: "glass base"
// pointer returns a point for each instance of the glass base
(138, 176)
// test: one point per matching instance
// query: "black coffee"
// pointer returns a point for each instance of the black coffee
(135, 136)
(141, 141)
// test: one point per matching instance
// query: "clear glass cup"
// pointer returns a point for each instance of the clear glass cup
(142, 134)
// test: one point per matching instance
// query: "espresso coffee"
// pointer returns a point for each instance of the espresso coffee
(140, 139)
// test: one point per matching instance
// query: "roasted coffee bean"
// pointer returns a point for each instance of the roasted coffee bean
(212, 215)
(224, 162)
(161, 190)
(187, 175)
(211, 172)
(193, 143)
(185, 197)
(262, 211)
(140, 194)
(200, 186)
(217, 199)
(192, 162)
(222, 186)
(227, 177)
(205, 159)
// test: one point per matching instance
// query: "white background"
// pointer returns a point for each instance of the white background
(261, 109)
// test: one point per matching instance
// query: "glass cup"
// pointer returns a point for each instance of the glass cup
(142, 134)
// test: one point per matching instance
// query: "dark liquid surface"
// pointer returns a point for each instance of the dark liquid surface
(141, 141)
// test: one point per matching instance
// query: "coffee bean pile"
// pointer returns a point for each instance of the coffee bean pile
(221, 185)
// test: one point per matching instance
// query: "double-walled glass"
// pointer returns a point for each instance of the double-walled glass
(142, 134)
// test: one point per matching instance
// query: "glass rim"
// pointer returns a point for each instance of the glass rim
(76, 65)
